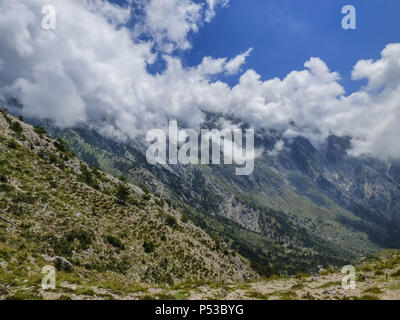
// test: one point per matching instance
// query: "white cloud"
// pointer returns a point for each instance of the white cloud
(382, 73)
(278, 147)
(211, 66)
(234, 65)
(170, 22)
(93, 70)
(212, 4)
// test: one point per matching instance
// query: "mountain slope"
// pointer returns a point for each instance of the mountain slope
(53, 205)
(301, 208)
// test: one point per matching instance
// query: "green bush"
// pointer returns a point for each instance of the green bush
(61, 145)
(145, 189)
(184, 218)
(84, 237)
(263, 270)
(122, 193)
(40, 130)
(62, 246)
(52, 158)
(12, 144)
(6, 188)
(88, 178)
(171, 221)
(65, 245)
(53, 184)
(146, 197)
(396, 273)
(24, 198)
(16, 127)
(116, 242)
(374, 290)
(149, 247)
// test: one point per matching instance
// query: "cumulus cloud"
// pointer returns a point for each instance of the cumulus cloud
(234, 65)
(170, 22)
(92, 70)
(212, 4)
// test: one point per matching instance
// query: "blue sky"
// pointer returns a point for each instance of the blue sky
(286, 33)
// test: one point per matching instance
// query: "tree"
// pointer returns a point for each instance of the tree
(16, 127)
(122, 193)
(40, 131)
(171, 221)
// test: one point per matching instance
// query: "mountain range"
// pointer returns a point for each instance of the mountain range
(303, 207)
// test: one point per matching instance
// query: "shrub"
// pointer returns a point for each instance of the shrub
(360, 277)
(12, 144)
(52, 158)
(263, 270)
(87, 177)
(149, 247)
(184, 218)
(61, 145)
(145, 189)
(24, 198)
(3, 178)
(6, 188)
(374, 290)
(63, 246)
(116, 242)
(40, 130)
(146, 197)
(298, 286)
(396, 273)
(16, 127)
(122, 193)
(84, 237)
(53, 184)
(171, 221)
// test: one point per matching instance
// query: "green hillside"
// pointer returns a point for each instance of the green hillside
(55, 207)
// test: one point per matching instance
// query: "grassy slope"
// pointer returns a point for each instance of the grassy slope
(52, 204)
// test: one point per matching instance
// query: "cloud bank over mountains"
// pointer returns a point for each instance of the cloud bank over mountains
(93, 69)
